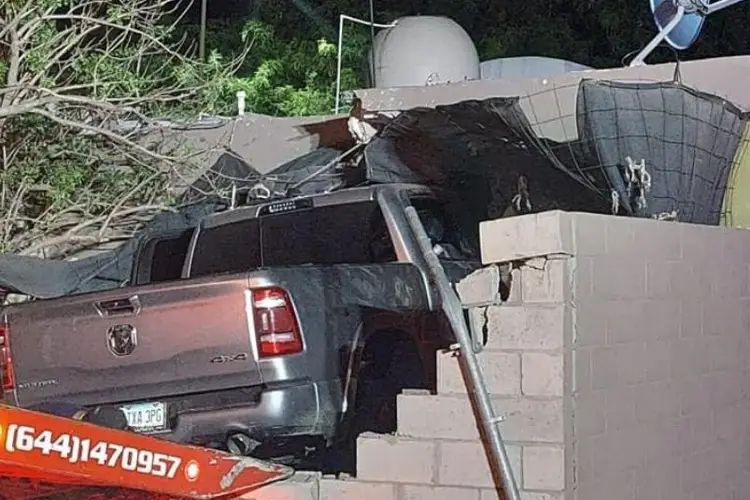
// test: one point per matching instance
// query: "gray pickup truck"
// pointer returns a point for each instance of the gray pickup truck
(267, 328)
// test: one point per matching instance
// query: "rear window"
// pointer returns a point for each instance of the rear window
(161, 258)
(338, 234)
(229, 248)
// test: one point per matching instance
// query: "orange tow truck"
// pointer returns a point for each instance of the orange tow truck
(53, 458)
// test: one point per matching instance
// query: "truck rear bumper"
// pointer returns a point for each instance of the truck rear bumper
(306, 409)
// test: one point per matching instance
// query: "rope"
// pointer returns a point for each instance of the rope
(637, 176)
(667, 216)
(516, 200)
(260, 191)
(615, 202)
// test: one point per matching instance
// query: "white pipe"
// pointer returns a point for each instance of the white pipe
(343, 18)
(639, 59)
(721, 4)
(241, 95)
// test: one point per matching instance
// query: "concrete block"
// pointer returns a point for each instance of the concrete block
(546, 280)
(542, 374)
(493, 494)
(466, 464)
(499, 494)
(395, 459)
(452, 417)
(619, 278)
(501, 370)
(301, 486)
(618, 487)
(525, 495)
(430, 417)
(516, 292)
(335, 489)
(414, 492)
(482, 287)
(582, 270)
(543, 468)
(580, 368)
(590, 413)
(527, 327)
(589, 318)
(526, 236)
(590, 234)
(613, 366)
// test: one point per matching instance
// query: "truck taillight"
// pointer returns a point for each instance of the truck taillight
(6, 360)
(276, 325)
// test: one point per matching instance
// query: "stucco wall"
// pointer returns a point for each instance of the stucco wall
(266, 142)
(550, 103)
(618, 364)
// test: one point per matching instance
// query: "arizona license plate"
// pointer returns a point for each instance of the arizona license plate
(146, 417)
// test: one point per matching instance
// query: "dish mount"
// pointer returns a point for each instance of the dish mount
(679, 22)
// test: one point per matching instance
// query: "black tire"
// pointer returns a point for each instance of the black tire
(390, 362)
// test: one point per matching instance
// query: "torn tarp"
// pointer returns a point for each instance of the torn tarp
(478, 150)
(42, 278)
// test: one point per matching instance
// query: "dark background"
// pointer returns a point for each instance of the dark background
(598, 33)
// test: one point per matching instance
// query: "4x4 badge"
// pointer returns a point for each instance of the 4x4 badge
(122, 339)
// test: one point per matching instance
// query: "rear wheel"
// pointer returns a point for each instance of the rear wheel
(390, 362)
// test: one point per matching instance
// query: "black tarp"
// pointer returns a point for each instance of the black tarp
(43, 278)
(478, 150)
(687, 139)
(228, 170)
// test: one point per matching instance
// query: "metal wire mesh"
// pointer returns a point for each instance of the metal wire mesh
(687, 140)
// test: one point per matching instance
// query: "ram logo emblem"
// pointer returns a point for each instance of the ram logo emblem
(122, 339)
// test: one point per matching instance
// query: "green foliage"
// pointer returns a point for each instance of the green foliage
(71, 72)
(284, 77)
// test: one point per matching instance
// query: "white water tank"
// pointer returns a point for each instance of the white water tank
(527, 67)
(422, 50)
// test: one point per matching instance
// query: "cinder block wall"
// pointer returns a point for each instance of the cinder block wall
(618, 364)
(659, 373)
(656, 336)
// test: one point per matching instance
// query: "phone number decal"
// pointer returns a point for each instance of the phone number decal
(21, 438)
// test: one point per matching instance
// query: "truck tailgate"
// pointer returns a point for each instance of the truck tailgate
(134, 344)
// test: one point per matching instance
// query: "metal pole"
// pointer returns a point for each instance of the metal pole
(467, 358)
(639, 60)
(372, 45)
(721, 4)
(338, 63)
(343, 18)
(202, 36)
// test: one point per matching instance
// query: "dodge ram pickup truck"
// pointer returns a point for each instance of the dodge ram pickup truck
(264, 327)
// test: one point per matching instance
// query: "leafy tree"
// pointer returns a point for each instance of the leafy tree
(82, 80)
(286, 76)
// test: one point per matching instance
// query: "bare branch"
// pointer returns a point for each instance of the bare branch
(74, 75)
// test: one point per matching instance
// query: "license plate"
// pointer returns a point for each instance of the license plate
(146, 417)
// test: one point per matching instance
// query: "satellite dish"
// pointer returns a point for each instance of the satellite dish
(687, 30)
(679, 22)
